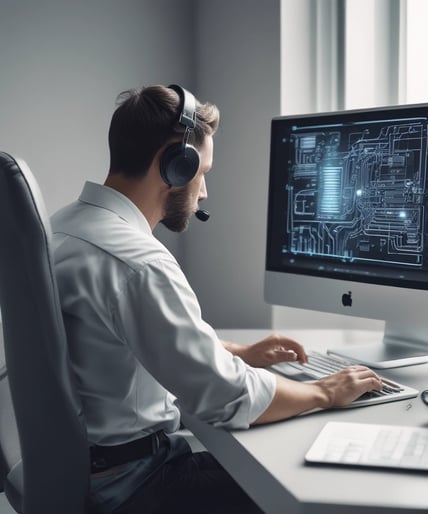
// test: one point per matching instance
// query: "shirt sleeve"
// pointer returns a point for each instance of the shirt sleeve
(157, 314)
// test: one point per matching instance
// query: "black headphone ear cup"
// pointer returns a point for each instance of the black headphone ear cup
(178, 164)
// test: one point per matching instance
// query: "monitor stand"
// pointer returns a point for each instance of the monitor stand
(402, 345)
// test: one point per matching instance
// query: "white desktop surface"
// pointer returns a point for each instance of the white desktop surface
(268, 461)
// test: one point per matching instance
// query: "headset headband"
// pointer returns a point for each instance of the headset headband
(187, 107)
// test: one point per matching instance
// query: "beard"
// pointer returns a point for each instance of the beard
(178, 210)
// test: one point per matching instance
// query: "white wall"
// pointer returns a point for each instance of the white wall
(238, 68)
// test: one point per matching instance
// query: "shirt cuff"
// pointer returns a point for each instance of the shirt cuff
(261, 385)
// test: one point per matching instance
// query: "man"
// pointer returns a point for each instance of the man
(138, 343)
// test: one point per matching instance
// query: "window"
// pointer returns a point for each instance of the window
(415, 72)
(346, 54)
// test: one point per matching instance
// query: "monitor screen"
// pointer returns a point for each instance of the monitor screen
(347, 219)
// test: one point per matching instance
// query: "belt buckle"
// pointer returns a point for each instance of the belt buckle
(99, 464)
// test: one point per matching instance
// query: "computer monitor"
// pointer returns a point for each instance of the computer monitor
(348, 223)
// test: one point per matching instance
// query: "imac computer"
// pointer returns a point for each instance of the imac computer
(348, 223)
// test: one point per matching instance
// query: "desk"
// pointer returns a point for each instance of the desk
(268, 461)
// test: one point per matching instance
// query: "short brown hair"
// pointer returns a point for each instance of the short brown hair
(146, 120)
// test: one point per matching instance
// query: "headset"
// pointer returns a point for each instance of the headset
(180, 161)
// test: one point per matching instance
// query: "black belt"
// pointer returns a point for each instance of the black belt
(105, 457)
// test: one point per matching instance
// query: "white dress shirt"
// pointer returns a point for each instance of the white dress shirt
(136, 336)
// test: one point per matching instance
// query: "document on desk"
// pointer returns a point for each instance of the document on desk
(374, 445)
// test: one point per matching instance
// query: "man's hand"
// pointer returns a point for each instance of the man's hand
(271, 350)
(341, 388)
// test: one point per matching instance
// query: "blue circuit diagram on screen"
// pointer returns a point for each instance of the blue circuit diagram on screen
(357, 192)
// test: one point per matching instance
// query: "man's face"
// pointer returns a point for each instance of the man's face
(182, 202)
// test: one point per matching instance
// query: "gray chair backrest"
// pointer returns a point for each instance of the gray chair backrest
(52, 436)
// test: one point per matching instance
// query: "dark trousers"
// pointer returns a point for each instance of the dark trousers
(194, 483)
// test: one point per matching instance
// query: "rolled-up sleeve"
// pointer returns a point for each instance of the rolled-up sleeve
(157, 314)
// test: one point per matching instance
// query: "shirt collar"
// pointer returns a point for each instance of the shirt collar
(107, 198)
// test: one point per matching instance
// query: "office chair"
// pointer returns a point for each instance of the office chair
(53, 475)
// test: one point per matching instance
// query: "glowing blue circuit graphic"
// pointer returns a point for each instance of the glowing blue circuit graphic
(356, 192)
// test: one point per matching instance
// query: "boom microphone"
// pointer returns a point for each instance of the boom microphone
(202, 215)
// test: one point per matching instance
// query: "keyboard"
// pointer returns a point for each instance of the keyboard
(320, 365)
(364, 444)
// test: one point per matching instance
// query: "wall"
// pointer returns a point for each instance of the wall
(238, 68)
(63, 64)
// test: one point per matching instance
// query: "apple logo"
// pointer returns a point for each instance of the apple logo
(347, 299)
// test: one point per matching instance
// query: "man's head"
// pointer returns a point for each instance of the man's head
(147, 120)
(144, 129)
